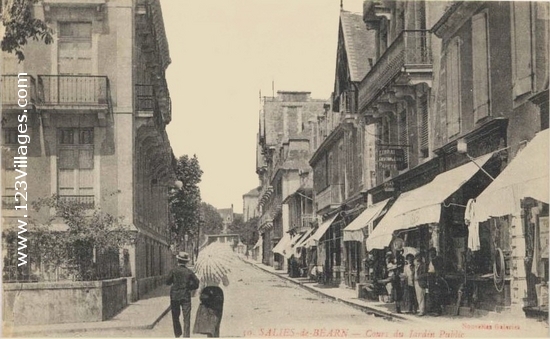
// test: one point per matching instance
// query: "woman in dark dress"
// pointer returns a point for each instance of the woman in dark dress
(209, 314)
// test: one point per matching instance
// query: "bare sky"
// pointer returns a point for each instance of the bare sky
(223, 53)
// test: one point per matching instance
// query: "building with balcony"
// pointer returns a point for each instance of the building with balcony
(485, 103)
(98, 105)
(283, 151)
(343, 163)
(492, 98)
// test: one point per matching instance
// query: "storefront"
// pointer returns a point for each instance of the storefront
(354, 239)
(327, 252)
(432, 216)
(519, 196)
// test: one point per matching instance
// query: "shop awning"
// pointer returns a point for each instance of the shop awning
(354, 231)
(422, 205)
(304, 238)
(258, 243)
(525, 176)
(321, 230)
(281, 245)
(287, 251)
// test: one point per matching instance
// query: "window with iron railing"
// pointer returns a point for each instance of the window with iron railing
(75, 165)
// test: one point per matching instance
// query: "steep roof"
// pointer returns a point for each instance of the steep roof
(358, 41)
(253, 192)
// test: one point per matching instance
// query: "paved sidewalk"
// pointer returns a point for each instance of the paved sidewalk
(345, 295)
(142, 314)
(387, 310)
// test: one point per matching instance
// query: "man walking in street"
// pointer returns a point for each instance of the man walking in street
(183, 281)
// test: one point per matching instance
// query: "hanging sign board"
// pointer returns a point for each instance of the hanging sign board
(391, 158)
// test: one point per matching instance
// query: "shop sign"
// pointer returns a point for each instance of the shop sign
(391, 158)
(389, 186)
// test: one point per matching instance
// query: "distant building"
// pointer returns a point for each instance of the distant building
(283, 151)
(250, 204)
(227, 217)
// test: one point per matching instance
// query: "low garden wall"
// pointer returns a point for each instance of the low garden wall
(146, 285)
(63, 302)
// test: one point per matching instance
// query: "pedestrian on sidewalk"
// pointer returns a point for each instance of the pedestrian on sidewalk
(409, 295)
(420, 283)
(183, 281)
(209, 314)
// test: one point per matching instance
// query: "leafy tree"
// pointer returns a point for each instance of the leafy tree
(20, 26)
(88, 248)
(212, 220)
(247, 230)
(185, 203)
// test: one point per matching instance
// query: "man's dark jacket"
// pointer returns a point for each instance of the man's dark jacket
(183, 281)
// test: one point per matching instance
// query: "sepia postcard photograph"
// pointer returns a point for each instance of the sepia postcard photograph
(275, 168)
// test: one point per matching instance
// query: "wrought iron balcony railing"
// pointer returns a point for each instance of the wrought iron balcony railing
(85, 201)
(11, 91)
(78, 90)
(8, 202)
(409, 51)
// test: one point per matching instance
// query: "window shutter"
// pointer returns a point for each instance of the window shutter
(86, 158)
(453, 89)
(68, 159)
(424, 148)
(522, 47)
(403, 136)
(480, 66)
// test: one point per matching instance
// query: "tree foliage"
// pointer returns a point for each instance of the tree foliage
(21, 26)
(185, 202)
(247, 230)
(84, 236)
(212, 220)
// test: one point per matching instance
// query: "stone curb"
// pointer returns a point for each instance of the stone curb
(84, 327)
(364, 308)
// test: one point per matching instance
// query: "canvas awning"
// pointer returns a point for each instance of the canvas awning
(281, 245)
(304, 239)
(525, 176)
(354, 231)
(321, 230)
(287, 251)
(422, 205)
(258, 243)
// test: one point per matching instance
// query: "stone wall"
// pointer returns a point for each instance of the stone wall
(62, 302)
(146, 285)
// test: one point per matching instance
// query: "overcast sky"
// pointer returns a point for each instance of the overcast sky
(223, 53)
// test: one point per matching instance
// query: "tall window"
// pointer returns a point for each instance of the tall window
(480, 62)
(8, 169)
(76, 165)
(522, 57)
(452, 79)
(423, 132)
(75, 48)
(403, 136)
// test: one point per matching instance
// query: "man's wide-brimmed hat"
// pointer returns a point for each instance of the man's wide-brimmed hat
(183, 256)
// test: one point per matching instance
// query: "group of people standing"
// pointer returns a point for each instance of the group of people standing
(183, 283)
(413, 282)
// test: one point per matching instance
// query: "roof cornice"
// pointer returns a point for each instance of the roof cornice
(454, 17)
